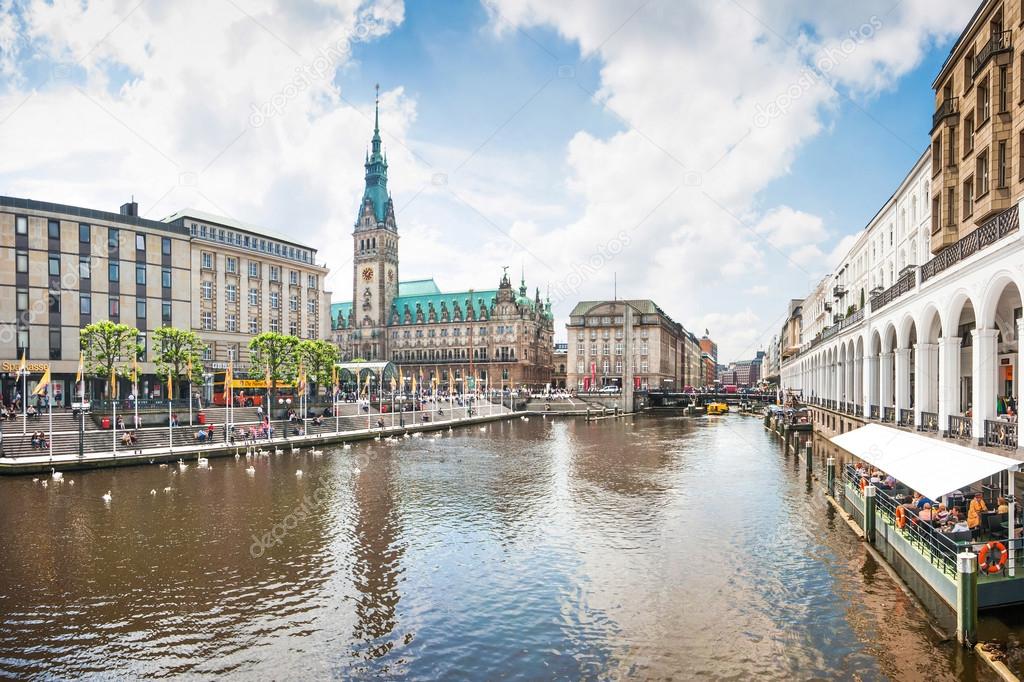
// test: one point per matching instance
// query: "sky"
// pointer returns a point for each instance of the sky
(717, 157)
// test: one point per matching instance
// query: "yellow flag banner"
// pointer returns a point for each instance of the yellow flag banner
(81, 368)
(44, 383)
(113, 383)
(23, 365)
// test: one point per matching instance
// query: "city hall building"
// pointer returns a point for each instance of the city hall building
(500, 335)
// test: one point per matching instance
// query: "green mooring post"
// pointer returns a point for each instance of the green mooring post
(966, 598)
(809, 457)
(830, 475)
(869, 513)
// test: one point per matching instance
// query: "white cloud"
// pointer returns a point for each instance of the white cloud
(718, 99)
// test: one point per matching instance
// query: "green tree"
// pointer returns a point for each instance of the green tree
(176, 351)
(106, 344)
(319, 358)
(276, 354)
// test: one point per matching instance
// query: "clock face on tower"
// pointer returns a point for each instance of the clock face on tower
(367, 274)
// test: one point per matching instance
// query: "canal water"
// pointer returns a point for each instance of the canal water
(539, 549)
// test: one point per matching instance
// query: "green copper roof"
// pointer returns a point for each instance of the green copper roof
(376, 170)
(449, 299)
(418, 287)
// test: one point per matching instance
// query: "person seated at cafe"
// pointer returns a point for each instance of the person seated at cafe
(941, 514)
(974, 512)
(889, 482)
(922, 501)
(1001, 506)
(926, 513)
(957, 525)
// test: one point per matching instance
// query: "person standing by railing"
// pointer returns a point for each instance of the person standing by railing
(974, 512)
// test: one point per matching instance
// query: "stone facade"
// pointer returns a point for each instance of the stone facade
(501, 336)
(657, 353)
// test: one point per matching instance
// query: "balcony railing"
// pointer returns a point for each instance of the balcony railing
(929, 421)
(949, 107)
(999, 42)
(838, 291)
(907, 418)
(858, 410)
(889, 415)
(874, 412)
(1001, 434)
(959, 427)
(902, 286)
(992, 230)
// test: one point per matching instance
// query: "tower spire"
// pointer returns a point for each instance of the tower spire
(376, 110)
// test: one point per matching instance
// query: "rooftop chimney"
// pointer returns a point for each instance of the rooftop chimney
(131, 208)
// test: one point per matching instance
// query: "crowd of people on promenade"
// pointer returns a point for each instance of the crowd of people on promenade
(964, 516)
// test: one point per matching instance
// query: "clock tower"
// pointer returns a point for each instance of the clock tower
(375, 255)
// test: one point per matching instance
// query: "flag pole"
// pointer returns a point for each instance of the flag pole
(113, 403)
(24, 392)
(49, 403)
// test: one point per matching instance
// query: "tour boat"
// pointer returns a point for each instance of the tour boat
(717, 408)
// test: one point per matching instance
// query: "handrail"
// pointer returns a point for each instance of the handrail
(992, 230)
(997, 42)
(929, 421)
(902, 286)
(959, 427)
(949, 107)
(999, 433)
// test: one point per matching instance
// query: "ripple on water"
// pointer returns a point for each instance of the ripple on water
(655, 548)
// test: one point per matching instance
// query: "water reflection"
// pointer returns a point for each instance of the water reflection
(650, 548)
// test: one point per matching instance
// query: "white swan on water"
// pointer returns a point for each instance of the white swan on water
(250, 470)
(346, 446)
(298, 473)
(107, 497)
(57, 476)
(153, 491)
(317, 452)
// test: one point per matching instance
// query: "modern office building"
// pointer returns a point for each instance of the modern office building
(67, 266)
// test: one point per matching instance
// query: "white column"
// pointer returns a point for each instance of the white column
(924, 357)
(1017, 393)
(902, 380)
(870, 382)
(985, 361)
(885, 383)
(840, 380)
(949, 380)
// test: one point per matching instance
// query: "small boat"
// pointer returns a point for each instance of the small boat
(717, 408)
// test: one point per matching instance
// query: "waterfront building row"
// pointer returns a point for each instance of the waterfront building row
(70, 266)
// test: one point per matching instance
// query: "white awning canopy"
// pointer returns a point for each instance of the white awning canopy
(931, 466)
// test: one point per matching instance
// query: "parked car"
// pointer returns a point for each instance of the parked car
(609, 389)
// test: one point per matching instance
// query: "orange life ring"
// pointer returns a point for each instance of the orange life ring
(995, 566)
(901, 516)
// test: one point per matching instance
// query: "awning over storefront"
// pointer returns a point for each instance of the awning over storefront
(930, 466)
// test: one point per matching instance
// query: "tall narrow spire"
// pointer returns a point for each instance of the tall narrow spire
(376, 167)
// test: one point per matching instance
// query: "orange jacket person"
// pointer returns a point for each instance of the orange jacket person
(974, 511)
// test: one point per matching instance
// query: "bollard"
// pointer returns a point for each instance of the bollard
(809, 457)
(869, 513)
(830, 469)
(588, 414)
(966, 598)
